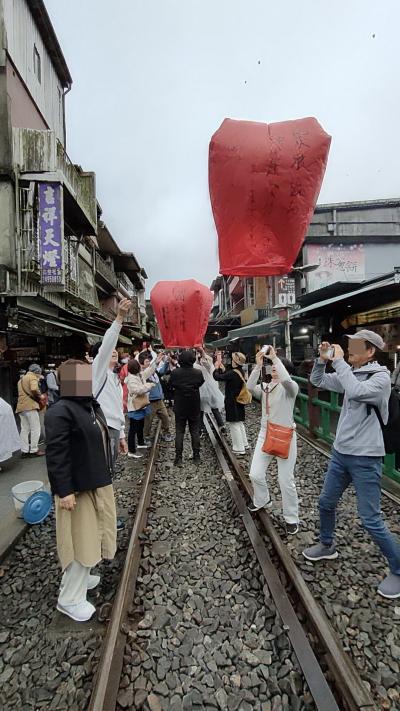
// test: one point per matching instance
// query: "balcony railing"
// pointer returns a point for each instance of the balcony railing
(104, 269)
(82, 184)
(133, 315)
(126, 283)
(38, 151)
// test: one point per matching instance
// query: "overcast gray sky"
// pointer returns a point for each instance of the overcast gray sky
(153, 80)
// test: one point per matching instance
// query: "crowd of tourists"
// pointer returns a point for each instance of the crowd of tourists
(101, 403)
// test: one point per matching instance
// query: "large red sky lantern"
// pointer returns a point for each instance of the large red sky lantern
(264, 183)
(182, 309)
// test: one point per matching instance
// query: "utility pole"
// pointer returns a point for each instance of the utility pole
(288, 347)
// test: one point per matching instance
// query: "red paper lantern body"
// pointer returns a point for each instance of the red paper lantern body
(264, 183)
(182, 309)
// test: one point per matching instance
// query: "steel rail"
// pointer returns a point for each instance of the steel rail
(108, 674)
(318, 685)
(347, 679)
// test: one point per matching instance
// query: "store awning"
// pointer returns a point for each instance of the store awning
(386, 312)
(320, 305)
(92, 337)
(220, 343)
(259, 328)
(124, 339)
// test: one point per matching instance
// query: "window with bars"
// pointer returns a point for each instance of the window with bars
(29, 228)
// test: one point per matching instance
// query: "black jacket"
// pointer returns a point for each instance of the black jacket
(186, 382)
(76, 460)
(233, 384)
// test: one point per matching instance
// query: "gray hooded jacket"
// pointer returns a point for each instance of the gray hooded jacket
(358, 432)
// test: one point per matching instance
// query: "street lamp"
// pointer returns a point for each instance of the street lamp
(305, 269)
(288, 347)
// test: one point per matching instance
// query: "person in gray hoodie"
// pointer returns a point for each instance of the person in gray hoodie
(358, 448)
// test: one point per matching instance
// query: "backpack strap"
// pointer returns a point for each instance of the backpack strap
(378, 414)
(101, 389)
(241, 376)
(374, 407)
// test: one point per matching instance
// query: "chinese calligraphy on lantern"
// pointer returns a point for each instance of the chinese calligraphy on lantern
(51, 233)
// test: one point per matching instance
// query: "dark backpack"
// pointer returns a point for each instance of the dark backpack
(390, 431)
(43, 386)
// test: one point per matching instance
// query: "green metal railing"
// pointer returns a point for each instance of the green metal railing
(320, 417)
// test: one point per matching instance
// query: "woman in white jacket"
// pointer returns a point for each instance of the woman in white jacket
(278, 399)
(138, 402)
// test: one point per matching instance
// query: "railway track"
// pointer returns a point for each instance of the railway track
(106, 683)
(340, 689)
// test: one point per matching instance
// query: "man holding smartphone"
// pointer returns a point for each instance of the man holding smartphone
(358, 448)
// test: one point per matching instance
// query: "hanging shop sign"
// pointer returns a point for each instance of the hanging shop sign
(51, 234)
(264, 183)
(340, 262)
(182, 309)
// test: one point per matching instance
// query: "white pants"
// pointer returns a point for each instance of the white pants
(238, 436)
(74, 582)
(30, 425)
(258, 471)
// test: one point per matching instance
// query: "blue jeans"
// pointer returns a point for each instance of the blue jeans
(365, 474)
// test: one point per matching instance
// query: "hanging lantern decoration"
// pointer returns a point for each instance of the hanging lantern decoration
(264, 183)
(182, 309)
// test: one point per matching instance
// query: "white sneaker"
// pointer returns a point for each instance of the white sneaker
(143, 446)
(82, 612)
(93, 582)
(134, 456)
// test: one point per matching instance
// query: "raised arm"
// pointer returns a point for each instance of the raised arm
(110, 339)
(325, 381)
(136, 386)
(290, 385)
(223, 375)
(252, 384)
(369, 391)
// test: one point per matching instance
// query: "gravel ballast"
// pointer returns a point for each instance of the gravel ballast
(204, 632)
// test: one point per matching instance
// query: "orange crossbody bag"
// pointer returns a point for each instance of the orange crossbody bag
(278, 438)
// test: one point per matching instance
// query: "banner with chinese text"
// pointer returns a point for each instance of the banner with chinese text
(336, 263)
(51, 234)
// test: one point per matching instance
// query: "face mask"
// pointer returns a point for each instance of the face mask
(124, 361)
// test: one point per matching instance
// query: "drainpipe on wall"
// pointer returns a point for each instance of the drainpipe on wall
(67, 90)
(18, 231)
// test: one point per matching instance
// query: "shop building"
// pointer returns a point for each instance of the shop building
(61, 272)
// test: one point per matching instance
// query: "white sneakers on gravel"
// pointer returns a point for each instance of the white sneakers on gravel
(133, 455)
(82, 612)
(93, 582)
(390, 587)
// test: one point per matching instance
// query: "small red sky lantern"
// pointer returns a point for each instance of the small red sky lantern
(182, 309)
(264, 183)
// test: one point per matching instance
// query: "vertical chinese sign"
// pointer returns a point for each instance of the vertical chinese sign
(51, 234)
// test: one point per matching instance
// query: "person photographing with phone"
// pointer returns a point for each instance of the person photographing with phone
(358, 447)
(277, 436)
